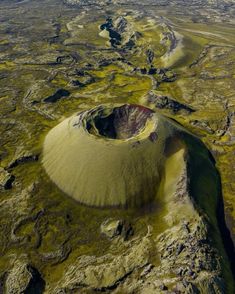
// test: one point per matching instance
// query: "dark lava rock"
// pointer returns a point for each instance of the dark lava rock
(88, 79)
(2, 278)
(118, 30)
(24, 159)
(115, 36)
(113, 228)
(127, 231)
(143, 71)
(164, 102)
(179, 249)
(23, 278)
(152, 71)
(57, 96)
(164, 75)
(153, 136)
(6, 179)
(150, 56)
(186, 287)
(9, 182)
(107, 25)
(129, 45)
(66, 59)
(77, 83)
(168, 76)
(80, 72)
(163, 287)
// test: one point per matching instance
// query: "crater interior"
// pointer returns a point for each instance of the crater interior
(121, 122)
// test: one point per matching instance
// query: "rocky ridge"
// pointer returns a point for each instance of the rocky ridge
(205, 8)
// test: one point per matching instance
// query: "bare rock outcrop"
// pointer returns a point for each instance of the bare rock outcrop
(23, 278)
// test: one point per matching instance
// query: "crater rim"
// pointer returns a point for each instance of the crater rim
(119, 121)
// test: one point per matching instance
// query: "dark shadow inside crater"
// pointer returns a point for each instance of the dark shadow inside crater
(121, 122)
(106, 126)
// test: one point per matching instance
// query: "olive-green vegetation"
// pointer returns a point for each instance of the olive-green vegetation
(63, 61)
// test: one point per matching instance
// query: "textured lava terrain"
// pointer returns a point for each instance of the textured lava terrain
(58, 58)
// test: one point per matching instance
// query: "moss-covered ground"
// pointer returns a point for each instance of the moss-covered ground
(62, 49)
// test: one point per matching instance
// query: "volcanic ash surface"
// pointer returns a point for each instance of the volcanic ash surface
(111, 155)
